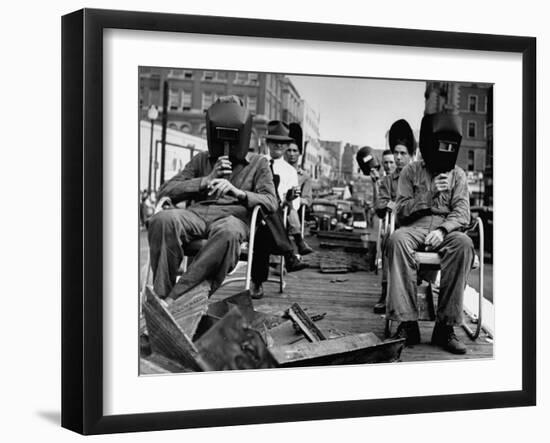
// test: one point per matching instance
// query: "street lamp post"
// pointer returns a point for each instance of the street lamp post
(152, 114)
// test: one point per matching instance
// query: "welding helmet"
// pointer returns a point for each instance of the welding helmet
(440, 137)
(402, 134)
(228, 129)
(295, 132)
(366, 159)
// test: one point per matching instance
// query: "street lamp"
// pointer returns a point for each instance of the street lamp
(152, 114)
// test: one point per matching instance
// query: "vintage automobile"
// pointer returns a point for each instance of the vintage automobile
(359, 216)
(344, 213)
(324, 214)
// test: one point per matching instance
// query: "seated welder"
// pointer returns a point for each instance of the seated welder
(432, 208)
(402, 147)
(224, 184)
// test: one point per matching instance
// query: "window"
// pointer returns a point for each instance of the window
(187, 74)
(174, 99)
(221, 76)
(207, 100)
(471, 157)
(472, 129)
(472, 103)
(178, 73)
(173, 126)
(253, 78)
(186, 127)
(241, 77)
(208, 76)
(186, 100)
(251, 103)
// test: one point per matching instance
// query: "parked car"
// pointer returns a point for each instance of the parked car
(324, 214)
(344, 213)
(359, 217)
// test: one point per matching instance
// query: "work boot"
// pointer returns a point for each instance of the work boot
(380, 306)
(256, 290)
(445, 337)
(293, 263)
(303, 247)
(410, 331)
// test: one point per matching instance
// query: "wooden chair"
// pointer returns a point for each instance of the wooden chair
(432, 261)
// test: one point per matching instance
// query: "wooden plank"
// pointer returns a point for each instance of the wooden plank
(351, 349)
(188, 309)
(166, 336)
(306, 325)
(427, 258)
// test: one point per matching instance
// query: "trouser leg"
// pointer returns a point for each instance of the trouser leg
(167, 230)
(217, 257)
(457, 255)
(293, 221)
(263, 246)
(271, 238)
(401, 302)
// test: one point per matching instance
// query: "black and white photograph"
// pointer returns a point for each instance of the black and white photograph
(305, 221)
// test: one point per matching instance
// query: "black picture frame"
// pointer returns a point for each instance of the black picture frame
(82, 219)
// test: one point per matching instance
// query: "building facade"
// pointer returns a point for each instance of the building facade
(471, 102)
(191, 92)
(334, 151)
(310, 127)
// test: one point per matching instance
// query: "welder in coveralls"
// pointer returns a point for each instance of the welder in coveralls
(402, 147)
(225, 183)
(432, 208)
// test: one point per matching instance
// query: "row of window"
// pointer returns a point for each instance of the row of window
(471, 129)
(474, 104)
(181, 100)
(215, 76)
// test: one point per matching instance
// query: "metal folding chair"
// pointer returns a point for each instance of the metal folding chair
(192, 248)
(432, 260)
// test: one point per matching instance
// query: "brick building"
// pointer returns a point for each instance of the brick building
(192, 91)
(471, 101)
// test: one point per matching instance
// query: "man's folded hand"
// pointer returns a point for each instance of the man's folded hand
(434, 239)
(220, 187)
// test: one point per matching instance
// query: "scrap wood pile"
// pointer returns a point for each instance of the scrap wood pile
(341, 252)
(195, 335)
(338, 261)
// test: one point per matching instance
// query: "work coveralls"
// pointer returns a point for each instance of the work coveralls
(420, 209)
(224, 222)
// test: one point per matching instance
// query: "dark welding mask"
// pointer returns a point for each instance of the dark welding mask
(440, 137)
(228, 130)
(402, 134)
(367, 160)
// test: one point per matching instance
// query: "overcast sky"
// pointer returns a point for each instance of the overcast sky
(360, 111)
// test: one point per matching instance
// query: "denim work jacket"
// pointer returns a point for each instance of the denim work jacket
(419, 204)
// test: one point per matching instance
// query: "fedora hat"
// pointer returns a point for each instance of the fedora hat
(278, 131)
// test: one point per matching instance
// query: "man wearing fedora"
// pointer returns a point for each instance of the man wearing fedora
(272, 237)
